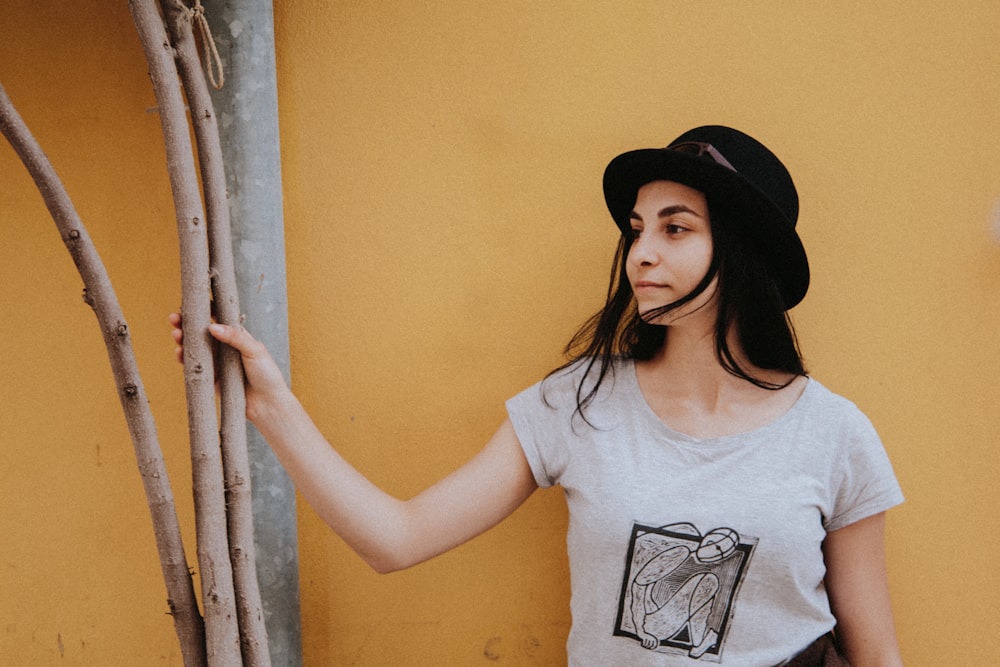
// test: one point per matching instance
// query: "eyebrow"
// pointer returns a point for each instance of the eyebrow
(667, 211)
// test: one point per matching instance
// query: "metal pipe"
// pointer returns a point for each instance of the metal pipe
(247, 109)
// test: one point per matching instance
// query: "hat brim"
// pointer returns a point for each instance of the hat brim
(759, 221)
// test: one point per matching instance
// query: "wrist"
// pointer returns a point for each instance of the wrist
(271, 407)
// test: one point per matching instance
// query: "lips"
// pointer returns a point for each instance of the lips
(648, 284)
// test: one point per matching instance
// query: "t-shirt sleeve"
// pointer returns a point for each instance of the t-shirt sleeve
(863, 483)
(537, 423)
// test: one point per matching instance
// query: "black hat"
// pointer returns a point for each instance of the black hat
(734, 170)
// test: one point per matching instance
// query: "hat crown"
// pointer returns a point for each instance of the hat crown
(753, 161)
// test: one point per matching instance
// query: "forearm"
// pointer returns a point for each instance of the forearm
(369, 520)
(388, 533)
(391, 534)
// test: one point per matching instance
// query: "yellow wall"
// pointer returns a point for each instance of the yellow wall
(446, 233)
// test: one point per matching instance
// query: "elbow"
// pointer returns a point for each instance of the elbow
(382, 565)
(390, 556)
(389, 546)
(387, 563)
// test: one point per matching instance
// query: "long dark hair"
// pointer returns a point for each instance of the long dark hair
(749, 302)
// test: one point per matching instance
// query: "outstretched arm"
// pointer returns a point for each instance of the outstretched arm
(857, 583)
(390, 534)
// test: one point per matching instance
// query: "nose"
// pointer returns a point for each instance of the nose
(642, 252)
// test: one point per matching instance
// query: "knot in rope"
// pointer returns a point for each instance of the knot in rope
(196, 17)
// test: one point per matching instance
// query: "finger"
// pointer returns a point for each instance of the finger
(176, 331)
(177, 334)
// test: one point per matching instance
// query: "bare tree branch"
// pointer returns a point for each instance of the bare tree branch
(218, 596)
(235, 458)
(100, 295)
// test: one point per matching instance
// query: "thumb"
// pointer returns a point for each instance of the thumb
(221, 332)
(234, 336)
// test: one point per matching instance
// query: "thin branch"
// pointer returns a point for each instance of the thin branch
(100, 295)
(179, 20)
(218, 596)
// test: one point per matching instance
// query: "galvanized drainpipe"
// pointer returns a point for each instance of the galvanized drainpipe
(247, 108)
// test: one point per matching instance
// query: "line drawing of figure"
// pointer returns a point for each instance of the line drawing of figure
(680, 587)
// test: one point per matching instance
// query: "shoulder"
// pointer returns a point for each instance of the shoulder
(583, 383)
(579, 379)
(546, 416)
(833, 410)
(861, 478)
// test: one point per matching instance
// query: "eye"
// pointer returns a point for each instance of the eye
(673, 229)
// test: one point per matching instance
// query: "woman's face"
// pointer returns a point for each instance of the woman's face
(671, 252)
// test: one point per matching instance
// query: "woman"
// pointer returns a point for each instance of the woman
(724, 507)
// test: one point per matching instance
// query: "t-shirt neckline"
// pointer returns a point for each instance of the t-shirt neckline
(647, 413)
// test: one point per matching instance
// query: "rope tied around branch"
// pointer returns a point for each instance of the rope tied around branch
(196, 17)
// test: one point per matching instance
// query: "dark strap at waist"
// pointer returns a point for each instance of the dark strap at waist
(821, 653)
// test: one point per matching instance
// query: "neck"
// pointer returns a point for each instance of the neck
(688, 365)
(689, 390)
(690, 361)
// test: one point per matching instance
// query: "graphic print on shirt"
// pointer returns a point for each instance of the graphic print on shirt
(680, 586)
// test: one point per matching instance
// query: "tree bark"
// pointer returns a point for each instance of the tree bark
(218, 596)
(179, 21)
(100, 295)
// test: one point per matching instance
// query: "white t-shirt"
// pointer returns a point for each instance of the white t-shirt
(690, 550)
